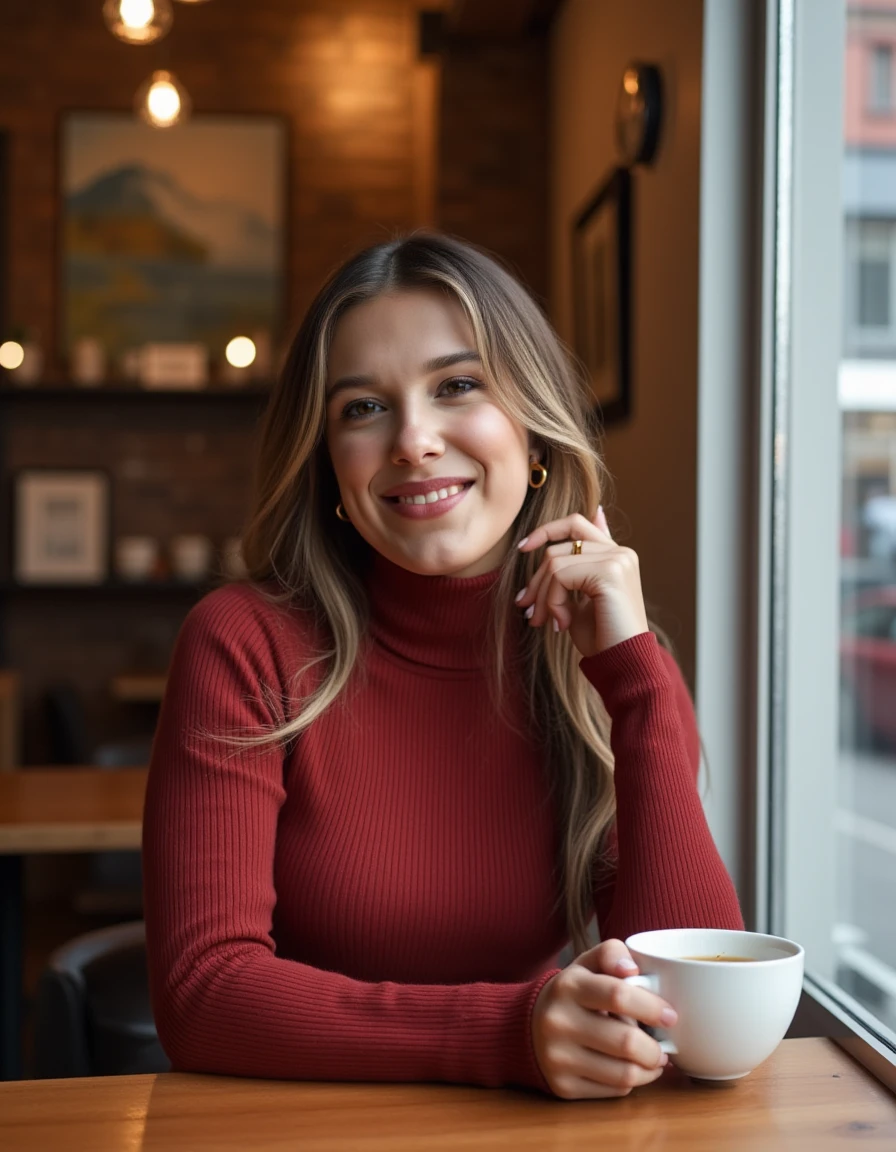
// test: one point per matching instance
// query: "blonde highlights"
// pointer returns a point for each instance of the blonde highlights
(294, 538)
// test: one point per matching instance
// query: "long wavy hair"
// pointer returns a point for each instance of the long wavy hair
(294, 540)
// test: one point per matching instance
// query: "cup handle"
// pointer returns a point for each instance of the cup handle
(652, 985)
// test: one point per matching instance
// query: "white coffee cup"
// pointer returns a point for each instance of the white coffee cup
(88, 362)
(731, 1016)
(136, 557)
(191, 556)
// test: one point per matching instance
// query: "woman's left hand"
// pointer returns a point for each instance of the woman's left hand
(596, 595)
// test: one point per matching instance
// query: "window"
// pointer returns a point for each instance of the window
(831, 468)
(874, 622)
(873, 264)
(869, 287)
(880, 95)
(874, 292)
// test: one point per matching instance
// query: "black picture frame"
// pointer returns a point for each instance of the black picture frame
(61, 526)
(601, 286)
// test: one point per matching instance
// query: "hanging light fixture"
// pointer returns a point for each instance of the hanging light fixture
(138, 21)
(162, 101)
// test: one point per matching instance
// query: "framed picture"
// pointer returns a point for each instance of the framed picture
(173, 237)
(61, 526)
(601, 271)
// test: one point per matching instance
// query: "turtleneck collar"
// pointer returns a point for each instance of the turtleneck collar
(434, 621)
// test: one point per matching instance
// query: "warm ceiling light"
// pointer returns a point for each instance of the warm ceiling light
(162, 101)
(240, 352)
(138, 21)
(11, 354)
(630, 81)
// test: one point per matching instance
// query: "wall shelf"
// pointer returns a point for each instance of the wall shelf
(129, 393)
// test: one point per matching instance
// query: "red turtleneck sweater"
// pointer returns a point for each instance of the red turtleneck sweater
(379, 902)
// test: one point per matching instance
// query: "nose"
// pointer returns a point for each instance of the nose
(417, 439)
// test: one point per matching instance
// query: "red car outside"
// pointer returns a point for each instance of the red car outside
(868, 668)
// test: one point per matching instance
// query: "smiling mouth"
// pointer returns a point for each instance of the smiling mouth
(433, 497)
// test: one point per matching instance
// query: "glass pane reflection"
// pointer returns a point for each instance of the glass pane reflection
(865, 932)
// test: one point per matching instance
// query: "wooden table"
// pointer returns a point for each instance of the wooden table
(809, 1097)
(53, 810)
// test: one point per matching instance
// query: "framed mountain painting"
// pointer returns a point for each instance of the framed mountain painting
(171, 236)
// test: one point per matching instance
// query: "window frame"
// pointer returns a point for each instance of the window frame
(797, 602)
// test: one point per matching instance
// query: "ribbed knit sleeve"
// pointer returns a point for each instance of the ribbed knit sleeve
(669, 873)
(223, 1000)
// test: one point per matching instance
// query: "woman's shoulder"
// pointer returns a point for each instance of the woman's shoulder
(251, 615)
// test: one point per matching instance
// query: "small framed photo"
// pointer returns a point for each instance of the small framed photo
(61, 526)
(601, 271)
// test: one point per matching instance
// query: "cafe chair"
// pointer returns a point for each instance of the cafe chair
(114, 880)
(92, 1014)
(10, 720)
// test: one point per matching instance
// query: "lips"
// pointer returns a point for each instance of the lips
(420, 505)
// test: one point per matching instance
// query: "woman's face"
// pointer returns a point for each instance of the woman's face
(431, 471)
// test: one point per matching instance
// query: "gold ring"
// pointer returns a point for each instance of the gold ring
(577, 547)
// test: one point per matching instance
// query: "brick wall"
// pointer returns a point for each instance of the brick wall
(494, 151)
(176, 466)
(373, 151)
(342, 71)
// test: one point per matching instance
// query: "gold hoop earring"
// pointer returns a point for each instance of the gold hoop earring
(340, 512)
(542, 473)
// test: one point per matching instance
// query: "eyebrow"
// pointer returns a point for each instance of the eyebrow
(438, 364)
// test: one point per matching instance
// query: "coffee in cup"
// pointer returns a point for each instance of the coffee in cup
(722, 959)
(735, 994)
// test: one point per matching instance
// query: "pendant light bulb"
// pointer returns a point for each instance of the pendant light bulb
(162, 101)
(138, 21)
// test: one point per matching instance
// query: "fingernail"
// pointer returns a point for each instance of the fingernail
(664, 1059)
(556, 626)
(626, 965)
(524, 540)
(530, 612)
(520, 595)
(668, 1016)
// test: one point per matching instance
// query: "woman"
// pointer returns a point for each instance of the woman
(382, 795)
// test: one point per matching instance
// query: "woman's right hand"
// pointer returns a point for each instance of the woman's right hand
(583, 1049)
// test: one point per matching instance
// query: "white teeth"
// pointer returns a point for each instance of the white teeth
(432, 497)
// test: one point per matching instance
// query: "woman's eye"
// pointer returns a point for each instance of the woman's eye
(359, 409)
(460, 385)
